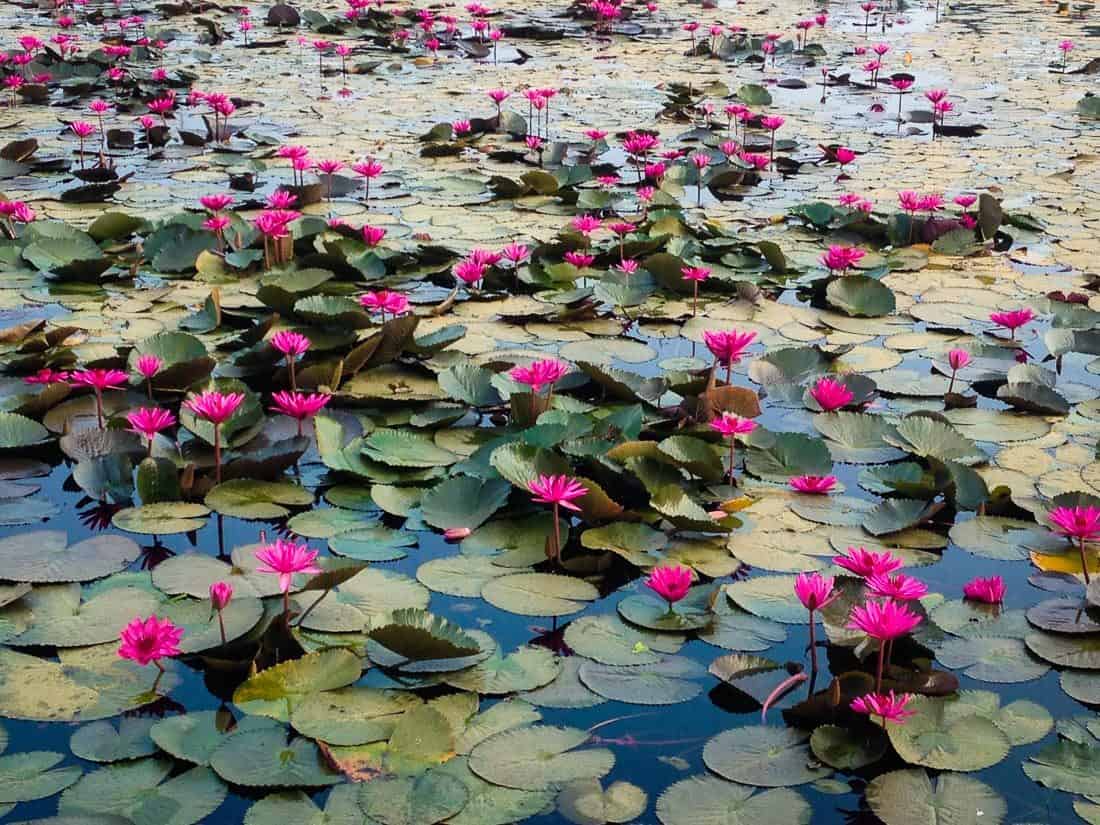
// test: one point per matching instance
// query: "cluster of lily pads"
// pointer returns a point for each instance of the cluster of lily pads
(360, 458)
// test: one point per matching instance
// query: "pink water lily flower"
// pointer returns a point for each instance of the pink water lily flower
(148, 366)
(731, 426)
(291, 344)
(842, 258)
(890, 707)
(728, 346)
(900, 587)
(695, 274)
(883, 621)
(299, 405)
(99, 380)
(150, 640)
(217, 408)
(1013, 319)
(831, 394)
(990, 591)
(216, 203)
(1081, 523)
(385, 301)
(957, 358)
(815, 485)
(558, 491)
(469, 272)
(286, 559)
(578, 259)
(670, 583)
(813, 590)
(540, 374)
(865, 563)
(221, 593)
(148, 421)
(47, 376)
(373, 235)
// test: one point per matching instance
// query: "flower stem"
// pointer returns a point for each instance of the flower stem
(1084, 560)
(99, 407)
(881, 660)
(217, 453)
(813, 647)
(221, 627)
(557, 536)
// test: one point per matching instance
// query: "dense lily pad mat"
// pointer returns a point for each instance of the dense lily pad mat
(527, 373)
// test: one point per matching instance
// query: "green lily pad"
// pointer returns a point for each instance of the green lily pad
(405, 449)
(341, 808)
(938, 739)
(991, 659)
(566, 691)
(489, 804)
(103, 742)
(928, 438)
(142, 792)
(860, 296)
(1081, 652)
(460, 575)
(770, 597)
(760, 755)
(585, 802)
(653, 613)
(707, 800)
(32, 775)
(17, 431)
(264, 758)
(62, 620)
(249, 499)
(539, 594)
(538, 756)
(1066, 766)
(376, 543)
(193, 737)
(1022, 721)
(908, 797)
(201, 628)
(412, 800)
(46, 556)
(791, 454)
(635, 542)
(609, 641)
(463, 501)
(351, 716)
(417, 641)
(527, 668)
(276, 692)
(668, 681)
(848, 749)
(162, 519)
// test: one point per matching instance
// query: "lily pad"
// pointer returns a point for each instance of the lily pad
(908, 797)
(538, 756)
(766, 756)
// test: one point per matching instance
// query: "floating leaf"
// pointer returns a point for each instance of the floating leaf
(765, 756)
(707, 800)
(665, 682)
(142, 792)
(538, 756)
(908, 797)
(539, 594)
(33, 775)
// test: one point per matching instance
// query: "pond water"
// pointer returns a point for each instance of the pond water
(445, 664)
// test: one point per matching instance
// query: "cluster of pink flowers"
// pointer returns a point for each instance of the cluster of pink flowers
(384, 301)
